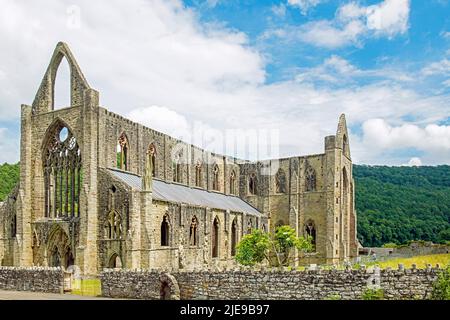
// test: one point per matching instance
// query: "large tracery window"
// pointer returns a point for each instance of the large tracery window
(62, 173)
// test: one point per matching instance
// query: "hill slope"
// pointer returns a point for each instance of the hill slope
(397, 204)
(394, 204)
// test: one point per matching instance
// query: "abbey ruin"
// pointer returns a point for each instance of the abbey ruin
(99, 191)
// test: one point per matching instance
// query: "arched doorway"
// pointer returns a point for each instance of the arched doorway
(115, 261)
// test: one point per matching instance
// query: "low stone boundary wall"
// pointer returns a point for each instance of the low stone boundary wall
(38, 279)
(270, 284)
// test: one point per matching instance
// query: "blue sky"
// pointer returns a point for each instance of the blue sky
(286, 66)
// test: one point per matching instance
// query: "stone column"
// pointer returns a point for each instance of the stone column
(135, 226)
(87, 252)
(24, 237)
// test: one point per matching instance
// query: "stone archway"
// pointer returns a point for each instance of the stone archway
(59, 249)
(169, 289)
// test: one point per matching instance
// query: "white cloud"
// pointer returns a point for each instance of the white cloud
(340, 71)
(155, 62)
(432, 139)
(413, 162)
(161, 119)
(437, 68)
(304, 5)
(389, 17)
(279, 10)
(353, 23)
(325, 34)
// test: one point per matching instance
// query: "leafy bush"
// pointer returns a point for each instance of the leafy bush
(441, 288)
(259, 246)
(390, 245)
(373, 294)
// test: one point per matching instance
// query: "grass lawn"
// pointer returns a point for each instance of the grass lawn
(419, 261)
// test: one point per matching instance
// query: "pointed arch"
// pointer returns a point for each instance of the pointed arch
(44, 99)
(123, 152)
(215, 182)
(234, 237)
(153, 152)
(198, 174)
(310, 179)
(193, 232)
(215, 237)
(233, 182)
(165, 231)
(114, 226)
(177, 166)
(115, 261)
(252, 184)
(310, 230)
(280, 181)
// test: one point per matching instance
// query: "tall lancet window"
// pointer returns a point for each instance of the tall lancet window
(62, 173)
(122, 152)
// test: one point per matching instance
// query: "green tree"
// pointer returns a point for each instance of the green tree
(259, 246)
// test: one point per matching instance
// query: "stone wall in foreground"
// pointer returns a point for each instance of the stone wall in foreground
(273, 285)
(38, 279)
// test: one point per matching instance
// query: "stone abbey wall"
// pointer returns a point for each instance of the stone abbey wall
(38, 279)
(272, 285)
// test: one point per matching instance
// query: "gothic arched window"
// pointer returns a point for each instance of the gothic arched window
(310, 179)
(176, 166)
(13, 227)
(252, 189)
(122, 152)
(165, 231)
(215, 238)
(193, 231)
(62, 173)
(344, 145)
(310, 230)
(215, 182)
(152, 151)
(233, 237)
(198, 174)
(113, 227)
(280, 181)
(233, 182)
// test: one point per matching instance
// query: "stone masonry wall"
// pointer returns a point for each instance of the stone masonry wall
(38, 279)
(271, 285)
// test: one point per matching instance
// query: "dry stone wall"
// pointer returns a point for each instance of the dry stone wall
(272, 285)
(37, 279)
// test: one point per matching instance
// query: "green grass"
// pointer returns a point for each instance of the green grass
(420, 261)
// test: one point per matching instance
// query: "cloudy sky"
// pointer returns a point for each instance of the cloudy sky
(287, 67)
